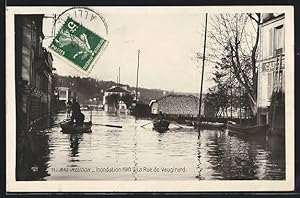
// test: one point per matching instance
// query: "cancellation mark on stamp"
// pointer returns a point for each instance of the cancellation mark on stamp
(77, 44)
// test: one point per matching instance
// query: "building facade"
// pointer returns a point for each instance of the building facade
(33, 72)
(64, 95)
(118, 105)
(271, 64)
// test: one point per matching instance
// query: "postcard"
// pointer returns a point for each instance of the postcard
(129, 99)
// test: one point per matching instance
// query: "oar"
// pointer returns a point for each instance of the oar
(62, 122)
(57, 124)
(109, 125)
(147, 124)
(177, 125)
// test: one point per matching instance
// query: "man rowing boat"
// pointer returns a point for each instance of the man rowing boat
(76, 113)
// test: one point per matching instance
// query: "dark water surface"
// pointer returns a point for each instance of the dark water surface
(136, 153)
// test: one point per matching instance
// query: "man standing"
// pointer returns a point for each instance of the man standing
(76, 113)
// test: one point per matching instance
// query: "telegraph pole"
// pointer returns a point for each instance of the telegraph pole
(119, 76)
(202, 75)
(137, 77)
(230, 94)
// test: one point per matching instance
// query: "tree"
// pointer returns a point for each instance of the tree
(226, 96)
(233, 41)
(113, 99)
(127, 99)
(216, 103)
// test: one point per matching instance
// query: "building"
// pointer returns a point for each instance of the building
(116, 104)
(154, 107)
(271, 65)
(33, 73)
(64, 95)
(178, 105)
(35, 86)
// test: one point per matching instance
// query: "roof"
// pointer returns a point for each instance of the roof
(63, 88)
(152, 101)
(117, 90)
(179, 96)
(271, 16)
(179, 104)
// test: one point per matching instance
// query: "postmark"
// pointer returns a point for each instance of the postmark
(78, 42)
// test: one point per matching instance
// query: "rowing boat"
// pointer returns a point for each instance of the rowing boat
(70, 127)
(248, 130)
(161, 125)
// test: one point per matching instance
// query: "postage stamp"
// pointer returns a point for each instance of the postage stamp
(77, 44)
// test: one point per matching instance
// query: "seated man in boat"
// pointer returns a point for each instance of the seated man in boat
(160, 116)
(76, 113)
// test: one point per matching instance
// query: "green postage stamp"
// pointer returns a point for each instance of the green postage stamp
(77, 44)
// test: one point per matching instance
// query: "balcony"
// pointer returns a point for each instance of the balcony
(278, 51)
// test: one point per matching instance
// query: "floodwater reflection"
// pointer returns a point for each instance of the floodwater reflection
(136, 153)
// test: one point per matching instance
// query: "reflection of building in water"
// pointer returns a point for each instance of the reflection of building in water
(232, 158)
(32, 161)
(74, 145)
(271, 67)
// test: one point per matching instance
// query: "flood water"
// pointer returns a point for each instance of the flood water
(137, 153)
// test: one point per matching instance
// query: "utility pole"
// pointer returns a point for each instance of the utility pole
(137, 77)
(241, 105)
(230, 94)
(119, 76)
(202, 75)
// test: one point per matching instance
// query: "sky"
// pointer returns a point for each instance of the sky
(168, 39)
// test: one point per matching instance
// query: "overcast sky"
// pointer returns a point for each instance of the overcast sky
(168, 39)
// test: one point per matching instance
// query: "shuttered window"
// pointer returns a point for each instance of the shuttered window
(279, 39)
(271, 39)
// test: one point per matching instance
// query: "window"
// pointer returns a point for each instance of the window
(279, 39)
(63, 94)
(269, 45)
(263, 119)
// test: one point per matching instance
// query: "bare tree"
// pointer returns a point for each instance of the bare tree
(233, 40)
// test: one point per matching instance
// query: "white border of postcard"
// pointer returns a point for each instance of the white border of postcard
(150, 186)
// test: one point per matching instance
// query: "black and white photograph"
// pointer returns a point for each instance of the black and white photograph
(150, 98)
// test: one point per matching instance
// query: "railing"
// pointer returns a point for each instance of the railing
(278, 73)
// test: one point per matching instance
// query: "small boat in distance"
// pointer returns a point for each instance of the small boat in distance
(161, 125)
(69, 127)
(248, 130)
